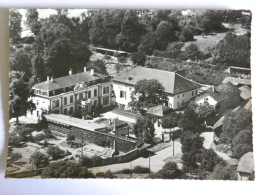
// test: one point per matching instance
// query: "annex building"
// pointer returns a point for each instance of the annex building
(70, 94)
(178, 88)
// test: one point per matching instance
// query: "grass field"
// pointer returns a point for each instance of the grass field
(210, 41)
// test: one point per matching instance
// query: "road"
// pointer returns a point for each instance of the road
(156, 161)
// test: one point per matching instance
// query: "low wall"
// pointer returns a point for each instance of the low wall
(25, 174)
(98, 138)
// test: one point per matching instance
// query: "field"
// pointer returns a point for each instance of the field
(209, 41)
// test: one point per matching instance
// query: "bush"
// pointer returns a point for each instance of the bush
(126, 171)
(40, 159)
(170, 171)
(224, 173)
(55, 152)
(140, 169)
(39, 137)
(65, 169)
(107, 174)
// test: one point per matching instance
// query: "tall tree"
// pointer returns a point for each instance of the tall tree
(144, 129)
(192, 52)
(233, 50)
(15, 25)
(19, 93)
(32, 21)
(147, 93)
(138, 58)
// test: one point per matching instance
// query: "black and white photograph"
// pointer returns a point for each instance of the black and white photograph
(130, 94)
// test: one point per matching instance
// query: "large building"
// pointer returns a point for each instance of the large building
(178, 88)
(68, 95)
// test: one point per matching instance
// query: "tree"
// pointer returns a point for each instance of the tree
(65, 169)
(15, 25)
(118, 67)
(122, 60)
(170, 171)
(138, 58)
(239, 150)
(222, 172)
(14, 139)
(148, 43)
(165, 33)
(192, 52)
(32, 21)
(186, 35)
(235, 122)
(233, 50)
(209, 159)
(70, 137)
(40, 159)
(191, 142)
(99, 66)
(144, 129)
(55, 152)
(19, 93)
(147, 93)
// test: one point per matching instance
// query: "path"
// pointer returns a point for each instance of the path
(208, 136)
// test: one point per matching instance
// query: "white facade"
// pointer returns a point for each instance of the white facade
(69, 103)
(176, 101)
(205, 98)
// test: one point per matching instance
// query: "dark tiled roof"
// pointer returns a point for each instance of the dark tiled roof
(173, 83)
(223, 91)
(246, 163)
(67, 81)
(159, 110)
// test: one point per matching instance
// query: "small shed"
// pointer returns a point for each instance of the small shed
(163, 115)
(245, 167)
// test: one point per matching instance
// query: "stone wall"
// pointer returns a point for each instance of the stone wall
(25, 174)
(98, 138)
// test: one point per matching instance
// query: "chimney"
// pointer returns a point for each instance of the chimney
(48, 78)
(52, 79)
(92, 72)
(85, 69)
(213, 89)
(70, 71)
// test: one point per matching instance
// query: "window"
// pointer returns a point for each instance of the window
(122, 94)
(55, 103)
(44, 93)
(71, 111)
(89, 94)
(37, 103)
(192, 93)
(183, 95)
(37, 113)
(65, 111)
(178, 104)
(95, 102)
(65, 101)
(106, 100)
(196, 92)
(80, 96)
(178, 96)
(95, 92)
(71, 99)
(53, 92)
(106, 90)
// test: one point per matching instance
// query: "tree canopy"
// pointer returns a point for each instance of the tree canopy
(147, 93)
(144, 129)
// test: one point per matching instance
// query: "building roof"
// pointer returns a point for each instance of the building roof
(67, 81)
(245, 92)
(159, 110)
(237, 81)
(172, 82)
(219, 122)
(248, 105)
(71, 121)
(223, 91)
(246, 163)
(111, 123)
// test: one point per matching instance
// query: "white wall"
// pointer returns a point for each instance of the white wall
(122, 87)
(201, 99)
